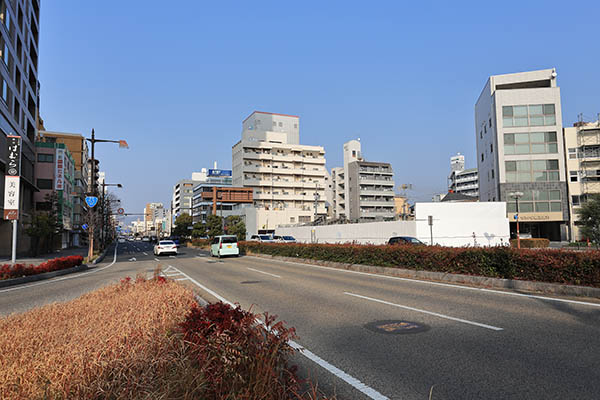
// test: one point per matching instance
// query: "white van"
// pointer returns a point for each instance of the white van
(224, 245)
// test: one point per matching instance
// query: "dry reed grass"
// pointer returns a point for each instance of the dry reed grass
(116, 342)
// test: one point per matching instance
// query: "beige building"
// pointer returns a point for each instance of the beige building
(518, 127)
(287, 178)
(582, 142)
(362, 190)
(401, 207)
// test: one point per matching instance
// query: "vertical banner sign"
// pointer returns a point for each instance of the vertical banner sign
(12, 178)
(60, 169)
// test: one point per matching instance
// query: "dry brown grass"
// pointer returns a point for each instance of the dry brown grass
(116, 342)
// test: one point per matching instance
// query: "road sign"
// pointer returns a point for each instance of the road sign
(91, 201)
(516, 217)
(84, 227)
(121, 211)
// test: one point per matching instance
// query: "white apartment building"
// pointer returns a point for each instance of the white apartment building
(362, 190)
(461, 180)
(518, 124)
(288, 178)
(583, 167)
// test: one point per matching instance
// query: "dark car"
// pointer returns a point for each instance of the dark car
(404, 240)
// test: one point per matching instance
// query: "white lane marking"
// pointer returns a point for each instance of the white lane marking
(355, 383)
(172, 257)
(177, 274)
(64, 278)
(531, 296)
(145, 253)
(494, 328)
(156, 259)
(262, 272)
(182, 279)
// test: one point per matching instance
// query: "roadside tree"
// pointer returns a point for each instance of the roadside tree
(589, 218)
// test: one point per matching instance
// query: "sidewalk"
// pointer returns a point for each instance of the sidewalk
(73, 251)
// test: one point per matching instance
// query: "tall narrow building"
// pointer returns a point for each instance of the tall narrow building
(19, 94)
(518, 125)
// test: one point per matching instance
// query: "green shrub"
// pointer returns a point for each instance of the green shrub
(531, 243)
(203, 243)
(544, 265)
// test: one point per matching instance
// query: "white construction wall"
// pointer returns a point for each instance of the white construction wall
(454, 224)
(463, 224)
(365, 233)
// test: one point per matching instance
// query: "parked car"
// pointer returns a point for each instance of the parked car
(224, 245)
(121, 240)
(404, 240)
(165, 247)
(284, 239)
(262, 238)
(175, 239)
(145, 239)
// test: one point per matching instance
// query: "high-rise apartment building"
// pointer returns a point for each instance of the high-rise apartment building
(288, 179)
(518, 125)
(19, 98)
(582, 142)
(362, 190)
(461, 180)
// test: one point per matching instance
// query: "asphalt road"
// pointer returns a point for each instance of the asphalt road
(465, 343)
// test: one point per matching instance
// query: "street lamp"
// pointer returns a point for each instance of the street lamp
(516, 196)
(92, 189)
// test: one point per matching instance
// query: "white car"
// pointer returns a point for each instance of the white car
(262, 238)
(284, 239)
(165, 246)
(121, 240)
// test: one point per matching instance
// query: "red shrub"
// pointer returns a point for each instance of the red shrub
(240, 358)
(8, 271)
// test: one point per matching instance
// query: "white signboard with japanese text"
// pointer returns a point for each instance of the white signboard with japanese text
(11, 197)
(60, 170)
(12, 177)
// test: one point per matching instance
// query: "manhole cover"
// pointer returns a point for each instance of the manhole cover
(249, 282)
(396, 327)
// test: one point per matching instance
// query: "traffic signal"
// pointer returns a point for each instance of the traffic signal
(94, 172)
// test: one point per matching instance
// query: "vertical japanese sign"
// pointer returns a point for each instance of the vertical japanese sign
(60, 170)
(12, 178)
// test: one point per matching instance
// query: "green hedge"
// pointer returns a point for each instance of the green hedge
(531, 243)
(544, 265)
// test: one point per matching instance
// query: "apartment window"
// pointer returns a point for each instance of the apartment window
(295, 126)
(492, 174)
(491, 147)
(575, 200)
(532, 171)
(529, 115)
(280, 124)
(530, 143)
(481, 157)
(4, 51)
(47, 158)
(44, 183)
(274, 123)
(490, 122)
(573, 176)
(572, 152)
(5, 15)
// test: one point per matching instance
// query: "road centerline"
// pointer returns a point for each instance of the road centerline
(464, 321)
(262, 272)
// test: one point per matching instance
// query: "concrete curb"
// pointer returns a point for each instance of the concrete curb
(39, 277)
(480, 281)
(101, 256)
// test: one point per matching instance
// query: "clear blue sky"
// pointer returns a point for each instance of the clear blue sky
(176, 79)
